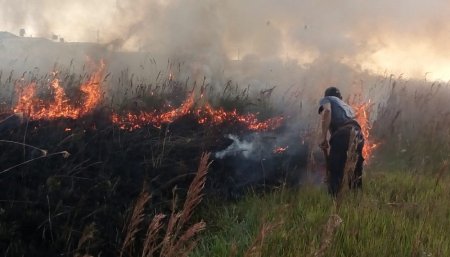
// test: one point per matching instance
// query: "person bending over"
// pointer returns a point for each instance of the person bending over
(339, 119)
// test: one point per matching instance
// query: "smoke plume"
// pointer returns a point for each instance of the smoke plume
(379, 36)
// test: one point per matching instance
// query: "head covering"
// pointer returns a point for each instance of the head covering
(333, 91)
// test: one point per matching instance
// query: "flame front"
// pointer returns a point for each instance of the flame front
(135, 121)
(205, 115)
(38, 109)
(60, 106)
(362, 112)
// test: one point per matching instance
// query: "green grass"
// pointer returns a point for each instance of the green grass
(397, 214)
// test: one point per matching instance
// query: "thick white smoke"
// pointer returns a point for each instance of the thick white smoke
(238, 147)
(398, 36)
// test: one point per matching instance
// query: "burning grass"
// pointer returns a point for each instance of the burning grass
(72, 156)
(71, 165)
(60, 106)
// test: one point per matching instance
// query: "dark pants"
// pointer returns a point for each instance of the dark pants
(339, 142)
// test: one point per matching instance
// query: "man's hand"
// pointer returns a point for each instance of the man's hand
(324, 144)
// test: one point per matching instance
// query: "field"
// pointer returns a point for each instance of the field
(397, 214)
(183, 168)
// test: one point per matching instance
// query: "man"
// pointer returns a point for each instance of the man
(339, 119)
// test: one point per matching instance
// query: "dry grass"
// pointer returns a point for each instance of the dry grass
(136, 219)
(178, 239)
(87, 236)
(329, 231)
(256, 248)
(150, 242)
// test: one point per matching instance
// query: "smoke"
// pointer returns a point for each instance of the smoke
(381, 35)
(298, 47)
(265, 158)
(238, 147)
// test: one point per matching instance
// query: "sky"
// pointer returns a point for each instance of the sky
(407, 37)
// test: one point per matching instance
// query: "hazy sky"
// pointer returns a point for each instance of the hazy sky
(402, 36)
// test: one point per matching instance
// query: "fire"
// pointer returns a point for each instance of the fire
(255, 125)
(26, 99)
(217, 116)
(38, 109)
(205, 114)
(60, 106)
(92, 89)
(134, 121)
(363, 118)
(279, 150)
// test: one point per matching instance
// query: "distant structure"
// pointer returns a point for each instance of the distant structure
(5, 34)
(54, 37)
(22, 32)
(61, 39)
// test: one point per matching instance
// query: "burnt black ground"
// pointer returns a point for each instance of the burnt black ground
(46, 203)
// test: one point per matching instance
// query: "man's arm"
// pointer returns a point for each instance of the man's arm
(326, 121)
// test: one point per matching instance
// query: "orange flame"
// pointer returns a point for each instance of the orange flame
(26, 99)
(92, 89)
(362, 112)
(37, 109)
(134, 121)
(60, 106)
(205, 115)
(217, 116)
(280, 149)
